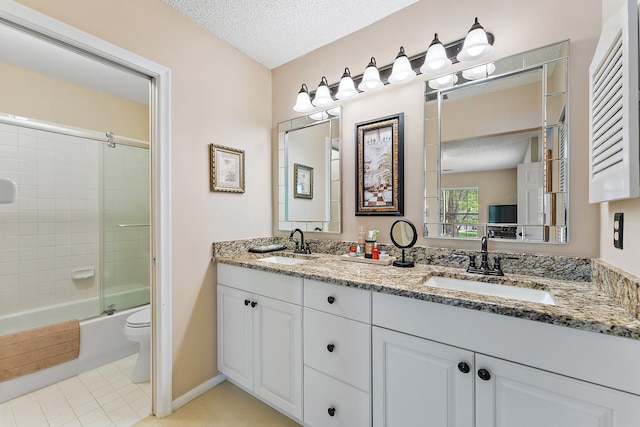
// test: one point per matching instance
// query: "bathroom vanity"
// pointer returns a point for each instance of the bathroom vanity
(330, 342)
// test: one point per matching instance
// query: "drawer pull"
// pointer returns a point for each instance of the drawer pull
(331, 411)
(253, 304)
(331, 347)
(464, 367)
(246, 302)
(484, 374)
(331, 300)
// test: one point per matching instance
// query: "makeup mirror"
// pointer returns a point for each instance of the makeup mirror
(403, 236)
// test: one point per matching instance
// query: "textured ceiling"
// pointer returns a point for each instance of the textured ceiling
(492, 152)
(274, 32)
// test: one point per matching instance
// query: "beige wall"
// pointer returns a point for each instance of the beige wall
(37, 96)
(626, 258)
(517, 26)
(499, 187)
(219, 96)
(310, 146)
(503, 111)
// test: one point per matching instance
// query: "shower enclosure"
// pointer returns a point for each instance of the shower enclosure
(75, 243)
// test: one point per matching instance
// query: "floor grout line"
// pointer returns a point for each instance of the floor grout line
(43, 407)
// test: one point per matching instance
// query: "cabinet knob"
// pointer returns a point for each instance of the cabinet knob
(331, 300)
(253, 304)
(464, 367)
(331, 411)
(330, 347)
(484, 374)
(246, 302)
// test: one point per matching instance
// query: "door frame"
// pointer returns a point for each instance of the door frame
(160, 109)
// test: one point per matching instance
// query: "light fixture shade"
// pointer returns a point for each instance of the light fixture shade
(303, 102)
(436, 59)
(443, 82)
(346, 89)
(401, 71)
(479, 72)
(476, 45)
(319, 115)
(371, 78)
(323, 94)
(335, 111)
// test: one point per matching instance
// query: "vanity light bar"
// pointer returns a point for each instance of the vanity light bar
(452, 50)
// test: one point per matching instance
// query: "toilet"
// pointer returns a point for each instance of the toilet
(138, 329)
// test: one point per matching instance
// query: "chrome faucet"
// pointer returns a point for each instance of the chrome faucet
(301, 247)
(484, 263)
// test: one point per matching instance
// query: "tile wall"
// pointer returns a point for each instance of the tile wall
(54, 225)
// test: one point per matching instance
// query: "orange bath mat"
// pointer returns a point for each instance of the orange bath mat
(40, 348)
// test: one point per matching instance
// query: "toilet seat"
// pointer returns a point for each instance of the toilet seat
(140, 319)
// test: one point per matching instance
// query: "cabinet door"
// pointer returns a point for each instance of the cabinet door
(235, 335)
(278, 354)
(515, 395)
(417, 382)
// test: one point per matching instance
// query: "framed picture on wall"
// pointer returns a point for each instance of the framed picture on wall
(380, 166)
(227, 169)
(302, 181)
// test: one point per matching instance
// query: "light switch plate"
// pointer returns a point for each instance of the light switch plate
(618, 222)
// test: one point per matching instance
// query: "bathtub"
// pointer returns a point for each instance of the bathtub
(102, 341)
(81, 309)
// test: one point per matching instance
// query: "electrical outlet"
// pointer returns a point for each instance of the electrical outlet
(618, 222)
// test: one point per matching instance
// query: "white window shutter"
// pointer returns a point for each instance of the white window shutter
(614, 154)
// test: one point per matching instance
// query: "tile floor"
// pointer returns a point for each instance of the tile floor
(103, 397)
(223, 406)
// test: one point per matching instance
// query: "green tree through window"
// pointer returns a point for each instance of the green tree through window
(459, 206)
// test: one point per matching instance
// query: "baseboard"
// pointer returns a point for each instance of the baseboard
(197, 391)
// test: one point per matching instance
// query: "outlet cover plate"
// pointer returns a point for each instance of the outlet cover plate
(618, 222)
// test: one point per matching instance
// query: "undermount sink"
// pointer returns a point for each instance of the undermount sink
(284, 260)
(491, 289)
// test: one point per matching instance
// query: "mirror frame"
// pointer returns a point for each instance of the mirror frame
(505, 67)
(334, 225)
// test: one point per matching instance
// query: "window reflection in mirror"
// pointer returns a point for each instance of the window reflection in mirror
(310, 144)
(505, 138)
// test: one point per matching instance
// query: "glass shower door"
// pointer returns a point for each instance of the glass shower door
(126, 202)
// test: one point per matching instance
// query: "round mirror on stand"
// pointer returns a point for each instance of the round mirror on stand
(404, 236)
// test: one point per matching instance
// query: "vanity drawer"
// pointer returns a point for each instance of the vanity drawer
(324, 395)
(339, 347)
(278, 286)
(343, 301)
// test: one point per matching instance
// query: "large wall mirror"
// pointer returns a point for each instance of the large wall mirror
(309, 173)
(496, 150)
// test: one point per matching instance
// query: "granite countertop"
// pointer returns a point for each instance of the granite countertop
(579, 305)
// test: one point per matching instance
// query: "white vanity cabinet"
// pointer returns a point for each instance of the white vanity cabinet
(418, 381)
(337, 355)
(260, 334)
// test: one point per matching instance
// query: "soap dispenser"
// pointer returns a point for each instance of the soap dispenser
(8, 191)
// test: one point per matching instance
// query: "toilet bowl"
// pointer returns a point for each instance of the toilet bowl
(138, 329)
